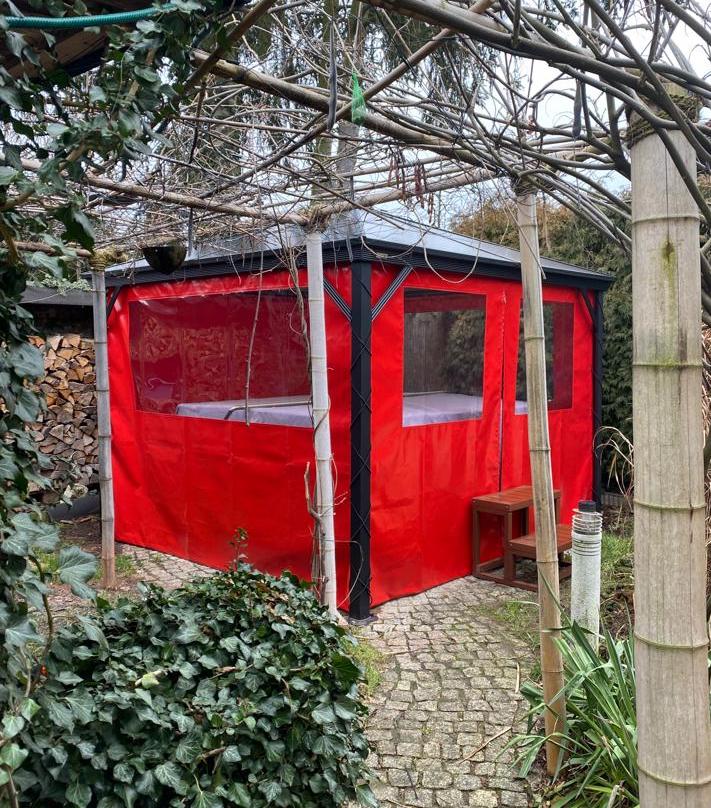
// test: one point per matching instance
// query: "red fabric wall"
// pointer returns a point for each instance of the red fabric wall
(425, 476)
(185, 485)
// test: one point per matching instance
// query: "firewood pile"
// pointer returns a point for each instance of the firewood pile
(67, 431)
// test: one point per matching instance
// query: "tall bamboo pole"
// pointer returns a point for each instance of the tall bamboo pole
(103, 417)
(541, 474)
(322, 425)
(671, 642)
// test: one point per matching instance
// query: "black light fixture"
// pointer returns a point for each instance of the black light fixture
(165, 258)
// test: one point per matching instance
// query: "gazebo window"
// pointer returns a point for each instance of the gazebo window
(558, 327)
(238, 356)
(443, 357)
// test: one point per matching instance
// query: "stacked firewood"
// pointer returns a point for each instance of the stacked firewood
(67, 431)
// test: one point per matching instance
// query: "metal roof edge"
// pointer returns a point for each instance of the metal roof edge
(357, 247)
(47, 296)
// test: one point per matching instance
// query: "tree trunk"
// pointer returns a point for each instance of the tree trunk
(541, 474)
(103, 418)
(671, 642)
(322, 425)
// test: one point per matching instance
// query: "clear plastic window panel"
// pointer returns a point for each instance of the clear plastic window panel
(443, 357)
(558, 327)
(239, 356)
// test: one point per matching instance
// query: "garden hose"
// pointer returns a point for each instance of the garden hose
(89, 21)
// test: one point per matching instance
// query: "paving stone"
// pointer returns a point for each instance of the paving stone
(484, 799)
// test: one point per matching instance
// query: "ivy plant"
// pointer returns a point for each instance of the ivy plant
(52, 132)
(236, 690)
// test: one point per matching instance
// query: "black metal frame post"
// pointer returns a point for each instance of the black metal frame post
(361, 328)
(598, 344)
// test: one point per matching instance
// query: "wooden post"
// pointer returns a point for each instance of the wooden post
(671, 641)
(541, 474)
(322, 425)
(103, 417)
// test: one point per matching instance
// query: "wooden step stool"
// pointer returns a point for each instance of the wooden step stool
(505, 504)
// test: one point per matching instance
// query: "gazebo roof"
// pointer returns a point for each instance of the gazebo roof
(360, 235)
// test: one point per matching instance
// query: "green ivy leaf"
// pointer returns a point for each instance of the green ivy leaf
(8, 175)
(345, 668)
(169, 774)
(78, 794)
(271, 790)
(13, 756)
(75, 568)
(77, 226)
(19, 632)
(60, 715)
(239, 794)
(14, 545)
(28, 708)
(12, 725)
(42, 536)
(189, 632)
(26, 360)
(81, 704)
(365, 797)
(189, 748)
(205, 799)
(92, 631)
(8, 467)
(323, 714)
(231, 754)
(69, 678)
(26, 406)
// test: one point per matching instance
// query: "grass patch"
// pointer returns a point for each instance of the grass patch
(519, 618)
(617, 582)
(372, 661)
(617, 562)
(125, 565)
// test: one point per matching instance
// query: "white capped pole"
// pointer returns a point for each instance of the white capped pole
(103, 418)
(321, 419)
(585, 578)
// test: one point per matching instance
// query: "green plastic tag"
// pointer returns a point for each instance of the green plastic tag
(357, 101)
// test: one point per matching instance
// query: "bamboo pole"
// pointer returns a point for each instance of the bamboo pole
(321, 418)
(103, 417)
(541, 474)
(671, 641)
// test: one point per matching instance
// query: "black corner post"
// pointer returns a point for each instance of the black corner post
(598, 343)
(361, 327)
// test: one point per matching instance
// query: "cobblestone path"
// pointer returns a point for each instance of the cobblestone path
(165, 570)
(448, 688)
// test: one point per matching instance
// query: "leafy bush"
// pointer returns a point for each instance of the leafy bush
(600, 767)
(236, 690)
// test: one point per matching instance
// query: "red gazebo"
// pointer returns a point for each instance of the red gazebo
(212, 422)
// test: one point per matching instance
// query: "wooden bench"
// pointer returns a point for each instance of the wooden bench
(513, 502)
